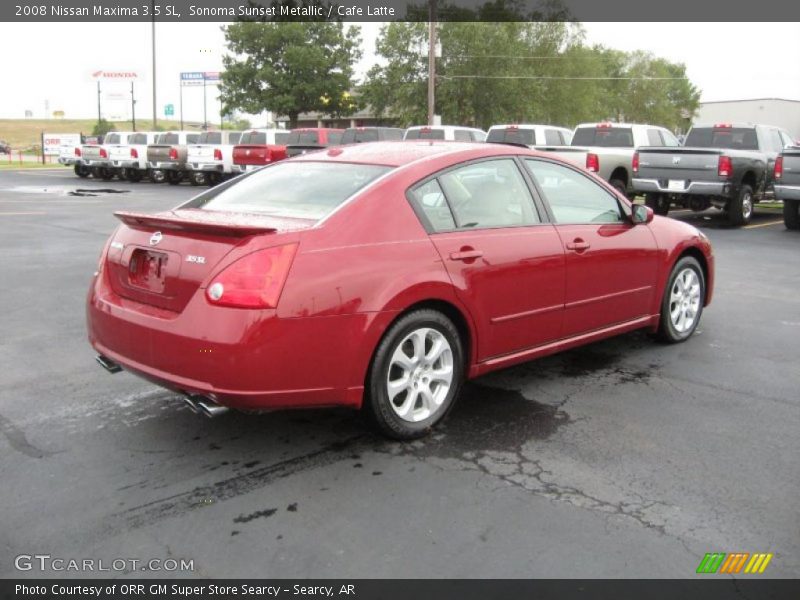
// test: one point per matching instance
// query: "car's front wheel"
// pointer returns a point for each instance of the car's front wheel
(682, 304)
(415, 375)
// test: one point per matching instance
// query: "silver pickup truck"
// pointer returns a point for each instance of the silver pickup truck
(97, 157)
(725, 165)
(787, 185)
(608, 149)
(211, 159)
(168, 155)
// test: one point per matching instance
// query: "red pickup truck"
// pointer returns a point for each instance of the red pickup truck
(259, 147)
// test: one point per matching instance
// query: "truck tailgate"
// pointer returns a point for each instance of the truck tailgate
(678, 163)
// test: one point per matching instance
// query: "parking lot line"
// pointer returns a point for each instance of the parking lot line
(16, 214)
(763, 224)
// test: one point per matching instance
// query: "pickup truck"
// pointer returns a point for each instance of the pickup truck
(728, 166)
(96, 157)
(450, 133)
(608, 149)
(71, 156)
(259, 147)
(131, 158)
(359, 135)
(530, 135)
(168, 155)
(301, 141)
(787, 185)
(210, 160)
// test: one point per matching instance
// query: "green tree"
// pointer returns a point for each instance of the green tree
(102, 127)
(289, 68)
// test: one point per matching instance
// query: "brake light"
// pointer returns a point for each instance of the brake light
(725, 167)
(173, 154)
(217, 154)
(592, 163)
(635, 162)
(603, 125)
(723, 126)
(779, 167)
(77, 151)
(103, 153)
(134, 153)
(254, 281)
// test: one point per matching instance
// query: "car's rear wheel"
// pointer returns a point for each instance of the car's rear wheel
(174, 177)
(156, 176)
(415, 375)
(740, 208)
(791, 214)
(213, 179)
(658, 202)
(682, 304)
(198, 178)
(133, 175)
(81, 171)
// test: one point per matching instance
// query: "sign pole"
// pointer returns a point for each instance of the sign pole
(42, 140)
(205, 117)
(181, 104)
(99, 118)
(133, 107)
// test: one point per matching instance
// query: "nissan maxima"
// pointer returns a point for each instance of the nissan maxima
(381, 276)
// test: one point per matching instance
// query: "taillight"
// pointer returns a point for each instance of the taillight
(217, 154)
(254, 281)
(268, 156)
(173, 154)
(77, 151)
(725, 168)
(723, 126)
(779, 167)
(592, 163)
(103, 153)
(603, 125)
(134, 153)
(635, 162)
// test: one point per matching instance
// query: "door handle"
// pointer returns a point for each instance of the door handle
(466, 254)
(578, 245)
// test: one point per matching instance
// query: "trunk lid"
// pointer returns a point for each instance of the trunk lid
(162, 259)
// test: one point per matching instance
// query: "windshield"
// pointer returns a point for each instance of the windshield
(512, 135)
(425, 134)
(605, 137)
(741, 138)
(303, 190)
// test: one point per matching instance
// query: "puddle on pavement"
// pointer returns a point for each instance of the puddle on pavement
(64, 190)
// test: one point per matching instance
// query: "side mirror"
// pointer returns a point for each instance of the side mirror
(641, 214)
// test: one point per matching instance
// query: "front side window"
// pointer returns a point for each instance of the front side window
(462, 135)
(488, 194)
(572, 196)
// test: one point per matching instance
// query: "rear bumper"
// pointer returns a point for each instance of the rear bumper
(240, 358)
(699, 188)
(69, 161)
(165, 166)
(245, 168)
(205, 167)
(102, 162)
(126, 164)
(787, 192)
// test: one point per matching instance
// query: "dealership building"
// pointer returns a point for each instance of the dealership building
(765, 111)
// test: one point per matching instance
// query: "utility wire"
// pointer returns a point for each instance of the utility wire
(561, 77)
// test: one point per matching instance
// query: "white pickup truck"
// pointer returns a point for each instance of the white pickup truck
(210, 160)
(608, 148)
(530, 135)
(131, 158)
(97, 157)
(70, 155)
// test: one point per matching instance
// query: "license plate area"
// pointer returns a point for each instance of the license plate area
(676, 185)
(148, 270)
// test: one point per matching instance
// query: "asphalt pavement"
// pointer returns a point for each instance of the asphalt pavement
(625, 458)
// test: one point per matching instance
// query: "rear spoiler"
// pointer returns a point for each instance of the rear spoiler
(201, 221)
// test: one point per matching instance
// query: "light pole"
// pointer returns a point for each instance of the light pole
(153, 51)
(431, 59)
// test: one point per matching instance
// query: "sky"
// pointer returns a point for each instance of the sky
(727, 61)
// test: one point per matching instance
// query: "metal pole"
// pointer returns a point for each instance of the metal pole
(133, 107)
(99, 117)
(180, 94)
(205, 117)
(431, 59)
(153, 50)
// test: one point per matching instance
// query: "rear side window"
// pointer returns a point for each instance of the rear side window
(425, 134)
(512, 135)
(775, 140)
(741, 138)
(303, 190)
(654, 137)
(670, 140)
(606, 137)
(573, 197)
(462, 135)
(430, 204)
(552, 137)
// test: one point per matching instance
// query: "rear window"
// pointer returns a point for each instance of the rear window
(192, 138)
(168, 138)
(303, 137)
(305, 190)
(254, 137)
(334, 137)
(425, 134)
(138, 138)
(605, 137)
(357, 136)
(741, 138)
(512, 136)
(210, 137)
(112, 138)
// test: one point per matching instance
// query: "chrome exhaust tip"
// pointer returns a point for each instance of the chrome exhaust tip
(205, 406)
(191, 402)
(108, 364)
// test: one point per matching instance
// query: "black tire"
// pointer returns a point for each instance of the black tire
(133, 175)
(157, 176)
(377, 404)
(667, 331)
(740, 208)
(81, 171)
(791, 214)
(658, 202)
(619, 185)
(198, 178)
(174, 177)
(213, 179)
(106, 174)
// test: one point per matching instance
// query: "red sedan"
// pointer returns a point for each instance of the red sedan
(381, 276)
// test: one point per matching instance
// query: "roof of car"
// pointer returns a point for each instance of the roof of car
(398, 153)
(526, 126)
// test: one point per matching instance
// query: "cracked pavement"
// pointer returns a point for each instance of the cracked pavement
(622, 459)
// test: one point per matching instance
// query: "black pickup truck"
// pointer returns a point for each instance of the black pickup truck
(727, 166)
(787, 185)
